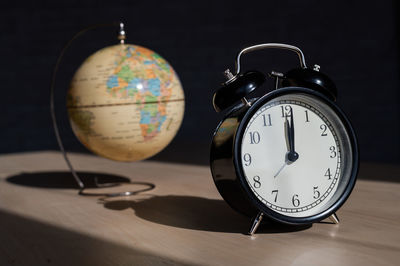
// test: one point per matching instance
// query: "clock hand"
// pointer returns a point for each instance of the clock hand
(286, 128)
(280, 169)
(291, 155)
(291, 132)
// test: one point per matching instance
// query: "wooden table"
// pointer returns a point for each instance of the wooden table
(182, 221)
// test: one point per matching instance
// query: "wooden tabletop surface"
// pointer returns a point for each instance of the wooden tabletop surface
(183, 221)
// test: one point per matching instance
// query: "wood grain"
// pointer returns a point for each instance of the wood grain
(182, 221)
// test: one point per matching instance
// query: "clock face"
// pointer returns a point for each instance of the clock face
(296, 155)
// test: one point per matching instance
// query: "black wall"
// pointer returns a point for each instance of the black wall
(356, 44)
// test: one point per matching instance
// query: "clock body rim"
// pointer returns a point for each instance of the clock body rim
(245, 193)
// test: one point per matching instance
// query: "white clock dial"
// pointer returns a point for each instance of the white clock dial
(281, 129)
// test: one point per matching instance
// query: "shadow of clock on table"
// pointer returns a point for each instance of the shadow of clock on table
(195, 213)
(64, 179)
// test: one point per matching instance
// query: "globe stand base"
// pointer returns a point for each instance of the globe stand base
(82, 188)
(148, 186)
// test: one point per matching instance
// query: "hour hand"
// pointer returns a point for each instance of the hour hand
(286, 127)
(288, 146)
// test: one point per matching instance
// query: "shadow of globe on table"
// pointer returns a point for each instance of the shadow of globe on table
(64, 179)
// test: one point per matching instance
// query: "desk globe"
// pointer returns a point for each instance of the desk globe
(125, 103)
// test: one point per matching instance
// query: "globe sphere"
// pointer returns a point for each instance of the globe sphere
(125, 103)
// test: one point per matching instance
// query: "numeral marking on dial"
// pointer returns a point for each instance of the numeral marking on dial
(254, 137)
(267, 120)
(257, 183)
(323, 127)
(295, 200)
(247, 159)
(317, 194)
(328, 174)
(307, 120)
(276, 195)
(333, 151)
(286, 110)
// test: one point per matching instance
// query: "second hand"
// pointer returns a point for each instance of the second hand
(280, 170)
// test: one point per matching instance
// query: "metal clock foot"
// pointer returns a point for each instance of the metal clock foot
(334, 219)
(256, 222)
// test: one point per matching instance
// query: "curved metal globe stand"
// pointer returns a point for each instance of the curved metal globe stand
(148, 186)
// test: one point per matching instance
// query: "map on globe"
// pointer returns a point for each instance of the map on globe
(125, 102)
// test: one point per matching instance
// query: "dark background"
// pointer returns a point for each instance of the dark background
(356, 44)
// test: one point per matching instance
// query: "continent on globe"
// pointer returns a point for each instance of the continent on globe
(125, 103)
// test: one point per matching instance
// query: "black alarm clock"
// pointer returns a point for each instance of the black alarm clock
(290, 155)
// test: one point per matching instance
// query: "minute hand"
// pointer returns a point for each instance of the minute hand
(292, 155)
(291, 133)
